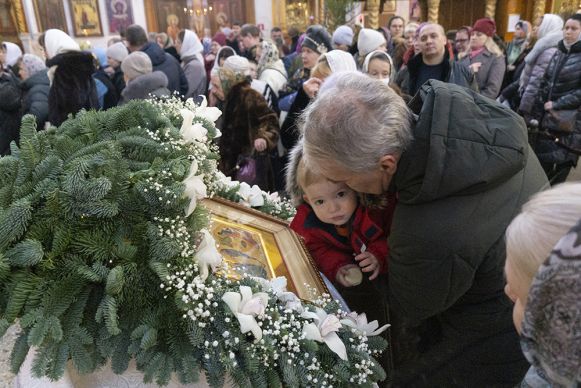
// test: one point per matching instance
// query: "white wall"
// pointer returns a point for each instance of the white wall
(263, 16)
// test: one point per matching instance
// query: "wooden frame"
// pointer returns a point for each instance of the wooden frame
(254, 243)
(50, 14)
(86, 18)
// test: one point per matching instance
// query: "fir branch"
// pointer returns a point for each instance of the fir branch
(25, 254)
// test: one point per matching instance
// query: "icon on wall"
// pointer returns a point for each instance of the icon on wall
(120, 15)
(86, 18)
(50, 14)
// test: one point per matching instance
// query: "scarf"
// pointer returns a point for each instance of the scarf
(191, 46)
(474, 53)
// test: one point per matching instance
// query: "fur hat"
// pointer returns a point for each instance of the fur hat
(32, 64)
(117, 51)
(317, 38)
(343, 35)
(485, 26)
(13, 53)
(369, 40)
(137, 63)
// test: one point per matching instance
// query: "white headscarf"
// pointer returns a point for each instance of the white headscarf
(13, 52)
(57, 42)
(340, 60)
(550, 23)
(216, 66)
(373, 55)
(192, 46)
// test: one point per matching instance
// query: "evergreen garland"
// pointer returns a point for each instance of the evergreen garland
(99, 262)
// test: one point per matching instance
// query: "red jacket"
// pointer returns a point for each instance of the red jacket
(332, 251)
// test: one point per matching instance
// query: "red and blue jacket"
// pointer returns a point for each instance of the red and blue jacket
(331, 250)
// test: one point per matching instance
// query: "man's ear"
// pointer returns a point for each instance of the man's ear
(388, 163)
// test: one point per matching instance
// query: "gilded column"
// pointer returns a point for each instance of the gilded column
(372, 14)
(490, 10)
(538, 9)
(18, 14)
(569, 6)
(433, 10)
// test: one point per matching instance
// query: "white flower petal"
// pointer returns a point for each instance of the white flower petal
(207, 255)
(336, 345)
(312, 332)
(248, 323)
(232, 299)
(209, 113)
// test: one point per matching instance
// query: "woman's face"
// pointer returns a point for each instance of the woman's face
(309, 57)
(214, 47)
(258, 52)
(477, 40)
(517, 291)
(379, 69)
(22, 72)
(217, 87)
(409, 38)
(178, 45)
(536, 26)
(519, 33)
(571, 31)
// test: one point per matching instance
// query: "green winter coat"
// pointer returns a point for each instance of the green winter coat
(464, 178)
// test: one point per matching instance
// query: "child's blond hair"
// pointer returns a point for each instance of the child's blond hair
(306, 176)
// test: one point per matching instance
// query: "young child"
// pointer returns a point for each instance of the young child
(347, 241)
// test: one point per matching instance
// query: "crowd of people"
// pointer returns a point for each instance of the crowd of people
(408, 151)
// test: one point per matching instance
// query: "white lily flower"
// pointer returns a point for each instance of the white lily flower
(195, 188)
(246, 306)
(359, 322)
(278, 287)
(207, 255)
(325, 330)
(274, 197)
(191, 132)
(251, 196)
(210, 113)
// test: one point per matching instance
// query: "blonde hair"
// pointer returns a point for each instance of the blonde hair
(306, 176)
(544, 219)
(322, 69)
(493, 47)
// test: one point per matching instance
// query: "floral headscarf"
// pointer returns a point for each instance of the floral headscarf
(268, 57)
(551, 329)
(229, 78)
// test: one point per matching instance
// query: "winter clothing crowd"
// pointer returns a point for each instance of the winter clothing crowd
(409, 153)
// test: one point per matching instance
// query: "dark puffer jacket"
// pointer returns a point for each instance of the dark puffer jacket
(73, 87)
(460, 183)
(562, 85)
(167, 64)
(9, 111)
(35, 97)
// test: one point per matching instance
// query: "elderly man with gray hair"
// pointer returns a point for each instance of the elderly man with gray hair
(461, 167)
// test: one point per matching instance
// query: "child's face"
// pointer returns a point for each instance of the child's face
(379, 69)
(333, 203)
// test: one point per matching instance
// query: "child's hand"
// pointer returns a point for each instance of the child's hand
(349, 275)
(368, 263)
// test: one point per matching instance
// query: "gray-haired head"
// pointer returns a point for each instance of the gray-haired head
(354, 121)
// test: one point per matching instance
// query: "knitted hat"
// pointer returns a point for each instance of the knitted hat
(237, 64)
(117, 51)
(317, 39)
(219, 38)
(33, 64)
(343, 35)
(486, 26)
(137, 63)
(13, 53)
(369, 40)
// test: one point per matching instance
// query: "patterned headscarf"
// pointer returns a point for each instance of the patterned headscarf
(229, 78)
(551, 329)
(268, 57)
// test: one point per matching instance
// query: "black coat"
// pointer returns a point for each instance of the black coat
(562, 85)
(118, 80)
(459, 186)
(73, 87)
(167, 64)
(35, 97)
(111, 98)
(10, 97)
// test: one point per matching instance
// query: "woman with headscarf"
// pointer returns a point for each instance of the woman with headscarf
(70, 71)
(13, 54)
(522, 34)
(190, 49)
(549, 32)
(560, 98)
(543, 276)
(270, 67)
(249, 131)
(35, 87)
(9, 102)
(332, 62)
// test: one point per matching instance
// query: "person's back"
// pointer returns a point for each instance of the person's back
(190, 48)
(142, 82)
(9, 111)
(35, 87)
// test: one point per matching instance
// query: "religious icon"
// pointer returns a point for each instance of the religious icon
(50, 14)
(120, 15)
(86, 17)
(256, 244)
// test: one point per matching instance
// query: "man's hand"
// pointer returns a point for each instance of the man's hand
(260, 144)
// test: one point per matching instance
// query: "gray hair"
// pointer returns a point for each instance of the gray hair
(354, 121)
